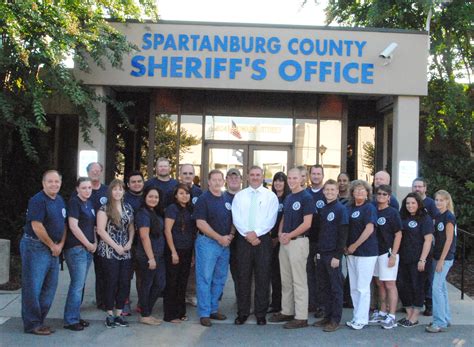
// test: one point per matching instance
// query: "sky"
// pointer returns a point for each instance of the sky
(245, 11)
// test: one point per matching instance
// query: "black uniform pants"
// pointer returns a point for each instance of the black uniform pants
(253, 260)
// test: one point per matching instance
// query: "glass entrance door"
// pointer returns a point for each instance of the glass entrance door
(241, 156)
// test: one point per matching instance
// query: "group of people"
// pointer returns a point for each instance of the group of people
(289, 243)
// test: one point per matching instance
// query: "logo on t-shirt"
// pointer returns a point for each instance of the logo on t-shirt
(440, 226)
(228, 206)
(330, 217)
(93, 212)
(413, 224)
(355, 214)
(381, 221)
(296, 205)
(64, 212)
(103, 200)
(320, 204)
(194, 200)
(280, 207)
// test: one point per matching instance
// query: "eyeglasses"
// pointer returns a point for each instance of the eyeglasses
(382, 193)
(187, 173)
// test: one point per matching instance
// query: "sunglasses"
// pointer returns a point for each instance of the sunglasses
(382, 193)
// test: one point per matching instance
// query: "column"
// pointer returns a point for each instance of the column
(96, 151)
(406, 117)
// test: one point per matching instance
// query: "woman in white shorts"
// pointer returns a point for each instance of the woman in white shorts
(389, 236)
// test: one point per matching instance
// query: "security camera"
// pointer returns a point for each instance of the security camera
(387, 53)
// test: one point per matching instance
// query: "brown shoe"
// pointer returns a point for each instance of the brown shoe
(296, 324)
(205, 322)
(322, 322)
(40, 331)
(332, 326)
(218, 316)
(280, 317)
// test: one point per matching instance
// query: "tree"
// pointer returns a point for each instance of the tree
(37, 37)
(447, 118)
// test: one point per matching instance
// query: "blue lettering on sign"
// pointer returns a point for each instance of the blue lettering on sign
(156, 63)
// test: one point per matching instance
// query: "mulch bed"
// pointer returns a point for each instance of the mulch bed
(454, 276)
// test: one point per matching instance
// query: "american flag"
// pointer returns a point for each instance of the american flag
(235, 131)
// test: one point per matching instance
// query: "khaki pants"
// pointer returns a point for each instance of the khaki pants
(294, 283)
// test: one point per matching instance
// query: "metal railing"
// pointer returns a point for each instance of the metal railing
(463, 234)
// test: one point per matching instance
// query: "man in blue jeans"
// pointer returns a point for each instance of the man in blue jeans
(42, 242)
(214, 221)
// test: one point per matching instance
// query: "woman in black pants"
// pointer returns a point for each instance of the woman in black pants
(180, 231)
(281, 189)
(150, 253)
(417, 235)
(116, 230)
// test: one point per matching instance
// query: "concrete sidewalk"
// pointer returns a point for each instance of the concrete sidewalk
(191, 333)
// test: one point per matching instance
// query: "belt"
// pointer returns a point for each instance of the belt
(299, 237)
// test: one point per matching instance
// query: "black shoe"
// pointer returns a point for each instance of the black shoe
(273, 309)
(319, 313)
(240, 320)
(120, 322)
(205, 321)
(261, 321)
(84, 323)
(74, 327)
(428, 312)
(110, 322)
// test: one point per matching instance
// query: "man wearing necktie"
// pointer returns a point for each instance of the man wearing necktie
(254, 212)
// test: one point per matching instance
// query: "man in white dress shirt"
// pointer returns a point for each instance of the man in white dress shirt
(254, 212)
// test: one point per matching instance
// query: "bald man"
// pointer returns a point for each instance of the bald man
(380, 178)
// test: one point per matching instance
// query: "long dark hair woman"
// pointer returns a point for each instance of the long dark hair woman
(417, 236)
(281, 189)
(362, 250)
(116, 230)
(81, 243)
(180, 232)
(150, 253)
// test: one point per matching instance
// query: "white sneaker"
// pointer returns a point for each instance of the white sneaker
(377, 317)
(388, 322)
(355, 325)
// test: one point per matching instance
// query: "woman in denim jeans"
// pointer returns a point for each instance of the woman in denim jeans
(116, 230)
(81, 243)
(444, 249)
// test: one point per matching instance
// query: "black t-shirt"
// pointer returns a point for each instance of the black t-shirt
(274, 231)
(184, 227)
(84, 212)
(148, 218)
(441, 222)
(388, 223)
(413, 237)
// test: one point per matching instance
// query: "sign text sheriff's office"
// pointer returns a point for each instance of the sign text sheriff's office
(265, 58)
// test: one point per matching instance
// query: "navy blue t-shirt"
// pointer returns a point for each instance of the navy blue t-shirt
(274, 231)
(134, 200)
(413, 237)
(393, 202)
(319, 200)
(146, 218)
(332, 216)
(359, 217)
(99, 197)
(229, 196)
(430, 207)
(216, 211)
(388, 223)
(84, 212)
(184, 226)
(441, 222)
(50, 212)
(295, 208)
(165, 186)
